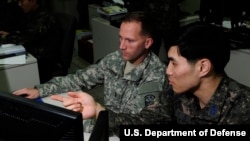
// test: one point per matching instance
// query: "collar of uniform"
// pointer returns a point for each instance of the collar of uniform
(136, 73)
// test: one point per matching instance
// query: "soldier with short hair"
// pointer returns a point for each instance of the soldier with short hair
(133, 78)
(37, 31)
(203, 92)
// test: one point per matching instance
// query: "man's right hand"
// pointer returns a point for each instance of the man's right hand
(30, 93)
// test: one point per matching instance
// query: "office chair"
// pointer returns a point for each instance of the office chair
(67, 26)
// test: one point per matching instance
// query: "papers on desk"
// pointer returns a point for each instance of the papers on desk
(112, 13)
(112, 10)
(12, 54)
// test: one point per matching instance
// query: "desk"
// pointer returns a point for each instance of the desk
(16, 76)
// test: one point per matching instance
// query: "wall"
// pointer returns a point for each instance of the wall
(238, 67)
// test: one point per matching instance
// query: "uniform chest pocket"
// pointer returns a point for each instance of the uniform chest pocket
(148, 94)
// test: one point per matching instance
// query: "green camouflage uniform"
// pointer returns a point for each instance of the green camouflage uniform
(229, 105)
(141, 88)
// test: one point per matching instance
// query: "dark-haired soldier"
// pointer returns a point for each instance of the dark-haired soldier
(203, 92)
(36, 32)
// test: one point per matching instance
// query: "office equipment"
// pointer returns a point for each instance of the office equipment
(17, 76)
(13, 59)
(101, 129)
(12, 54)
(101, 125)
(7, 50)
(29, 120)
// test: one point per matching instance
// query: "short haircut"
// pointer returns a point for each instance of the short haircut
(202, 40)
(148, 26)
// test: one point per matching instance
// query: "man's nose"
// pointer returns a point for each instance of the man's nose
(122, 45)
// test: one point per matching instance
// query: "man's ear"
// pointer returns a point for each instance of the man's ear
(148, 43)
(205, 67)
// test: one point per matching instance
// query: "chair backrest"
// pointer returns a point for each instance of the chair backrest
(67, 26)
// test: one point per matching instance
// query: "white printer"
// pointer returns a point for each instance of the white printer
(12, 54)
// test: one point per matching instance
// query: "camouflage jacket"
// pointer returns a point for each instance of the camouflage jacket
(229, 105)
(37, 32)
(134, 98)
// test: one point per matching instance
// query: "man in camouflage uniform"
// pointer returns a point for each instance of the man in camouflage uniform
(133, 77)
(37, 32)
(204, 94)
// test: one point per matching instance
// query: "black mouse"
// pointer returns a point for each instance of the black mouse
(23, 95)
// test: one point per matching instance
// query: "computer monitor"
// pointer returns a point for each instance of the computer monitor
(101, 128)
(30, 120)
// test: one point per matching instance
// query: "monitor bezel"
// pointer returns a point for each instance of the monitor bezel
(10, 130)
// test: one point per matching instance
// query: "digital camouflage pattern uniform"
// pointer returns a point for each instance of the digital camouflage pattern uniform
(38, 32)
(134, 98)
(230, 105)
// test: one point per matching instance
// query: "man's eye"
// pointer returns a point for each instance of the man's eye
(173, 63)
(128, 40)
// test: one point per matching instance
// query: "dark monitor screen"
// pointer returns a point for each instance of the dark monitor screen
(100, 131)
(30, 120)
